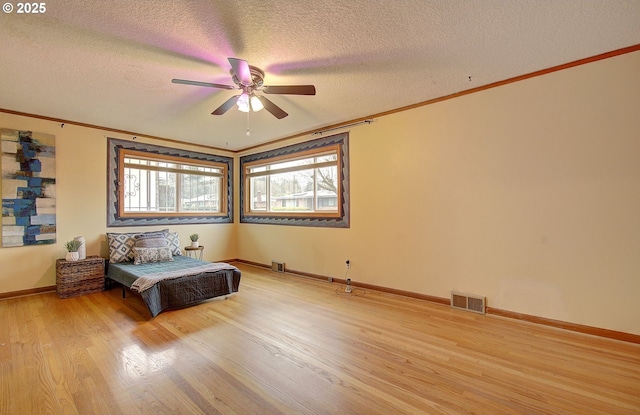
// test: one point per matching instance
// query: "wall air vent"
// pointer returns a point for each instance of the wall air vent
(469, 302)
(277, 266)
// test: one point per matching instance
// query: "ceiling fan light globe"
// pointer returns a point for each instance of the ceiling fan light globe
(256, 104)
(243, 103)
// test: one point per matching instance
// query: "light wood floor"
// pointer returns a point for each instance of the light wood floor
(291, 345)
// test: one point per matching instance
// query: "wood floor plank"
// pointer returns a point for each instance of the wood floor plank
(292, 345)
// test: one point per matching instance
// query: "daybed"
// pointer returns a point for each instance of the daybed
(151, 264)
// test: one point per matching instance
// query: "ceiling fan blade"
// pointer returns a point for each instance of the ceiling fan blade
(290, 89)
(241, 69)
(272, 108)
(198, 83)
(226, 106)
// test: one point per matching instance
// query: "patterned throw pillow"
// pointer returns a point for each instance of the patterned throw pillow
(174, 243)
(120, 247)
(147, 255)
(154, 240)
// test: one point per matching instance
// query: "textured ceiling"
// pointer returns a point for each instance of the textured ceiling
(110, 63)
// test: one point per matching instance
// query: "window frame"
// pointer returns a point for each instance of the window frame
(116, 217)
(334, 149)
(124, 153)
(339, 218)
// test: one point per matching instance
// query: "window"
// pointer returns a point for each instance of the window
(167, 186)
(304, 184)
(161, 184)
(308, 184)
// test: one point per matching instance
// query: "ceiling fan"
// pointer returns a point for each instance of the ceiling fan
(249, 79)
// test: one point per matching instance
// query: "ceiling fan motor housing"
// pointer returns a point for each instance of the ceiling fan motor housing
(257, 77)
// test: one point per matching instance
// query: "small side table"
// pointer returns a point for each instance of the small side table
(194, 252)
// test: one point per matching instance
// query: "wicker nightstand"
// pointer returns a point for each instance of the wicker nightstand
(80, 277)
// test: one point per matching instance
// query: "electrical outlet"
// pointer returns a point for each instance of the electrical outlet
(348, 263)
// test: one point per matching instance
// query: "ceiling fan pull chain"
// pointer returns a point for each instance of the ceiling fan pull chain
(248, 132)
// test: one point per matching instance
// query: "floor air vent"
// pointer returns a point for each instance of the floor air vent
(468, 302)
(277, 266)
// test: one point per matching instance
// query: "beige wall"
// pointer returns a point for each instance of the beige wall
(81, 166)
(527, 193)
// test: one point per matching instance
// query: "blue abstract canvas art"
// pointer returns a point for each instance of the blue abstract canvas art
(28, 188)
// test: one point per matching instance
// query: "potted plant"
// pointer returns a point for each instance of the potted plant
(194, 240)
(73, 246)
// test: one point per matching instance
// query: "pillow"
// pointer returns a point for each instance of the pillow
(120, 247)
(147, 255)
(150, 240)
(121, 244)
(174, 243)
